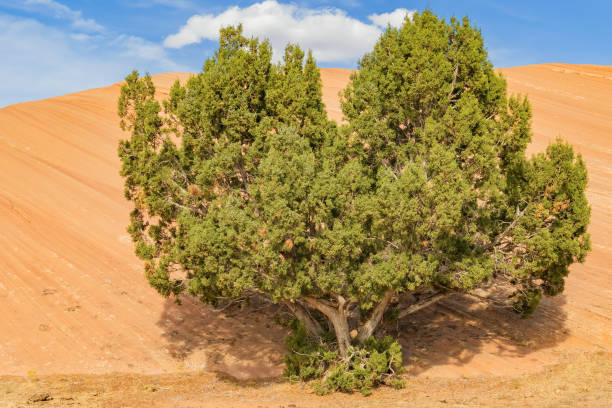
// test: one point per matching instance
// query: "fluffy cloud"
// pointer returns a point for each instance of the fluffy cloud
(395, 18)
(42, 61)
(66, 52)
(56, 10)
(330, 33)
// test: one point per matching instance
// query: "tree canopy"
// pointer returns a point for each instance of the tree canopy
(242, 186)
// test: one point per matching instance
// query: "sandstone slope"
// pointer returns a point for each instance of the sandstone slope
(73, 298)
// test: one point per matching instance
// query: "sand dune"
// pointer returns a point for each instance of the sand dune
(73, 298)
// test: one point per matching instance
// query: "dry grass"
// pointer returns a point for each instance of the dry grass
(582, 381)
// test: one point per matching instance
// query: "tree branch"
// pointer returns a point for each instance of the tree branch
(302, 314)
(190, 209)
(324, 306)
(504, 233)
(422, 304)
(452, 88)
(368, 328)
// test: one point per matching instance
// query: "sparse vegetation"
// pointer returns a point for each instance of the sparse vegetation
(242, 187)
(377, 361)
(583, 380)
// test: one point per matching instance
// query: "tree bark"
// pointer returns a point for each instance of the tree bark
(299, 311)
(368, 328)
(341, 328)
(338, 317)
(422, 304)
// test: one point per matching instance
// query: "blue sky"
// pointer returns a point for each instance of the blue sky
(52, 47)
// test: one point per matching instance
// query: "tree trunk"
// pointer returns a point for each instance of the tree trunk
(338, 317)
(368, 328)
(299, 311)
(341, 328)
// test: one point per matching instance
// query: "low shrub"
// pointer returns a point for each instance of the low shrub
(374, 363)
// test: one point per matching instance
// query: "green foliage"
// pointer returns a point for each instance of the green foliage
(457, 203)
(527, 303)
(308, 359)
(376, 362)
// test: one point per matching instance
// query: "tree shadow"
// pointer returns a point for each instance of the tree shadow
(241, 343)
(460, 329)
(245, 345)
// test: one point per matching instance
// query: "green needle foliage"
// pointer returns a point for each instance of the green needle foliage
(242, 186)
(375, 362)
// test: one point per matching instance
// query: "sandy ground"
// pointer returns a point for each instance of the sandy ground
(74, 300)
(583, 382)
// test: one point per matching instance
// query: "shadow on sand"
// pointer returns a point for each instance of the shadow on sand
(248, 345)
(460, 328)
(241, 343)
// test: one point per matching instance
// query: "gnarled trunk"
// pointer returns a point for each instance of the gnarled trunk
(337, 315)
(341, 328)
(369, 327)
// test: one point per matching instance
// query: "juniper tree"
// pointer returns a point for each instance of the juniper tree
(242, 186)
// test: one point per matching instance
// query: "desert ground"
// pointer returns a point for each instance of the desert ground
(78, 319)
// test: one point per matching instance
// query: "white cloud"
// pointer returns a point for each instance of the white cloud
(41, 61)
(330, 33)
(56, 10)
(395, 18)
(87, 24)
(48, 59)
(82, 37)
(138, 48)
